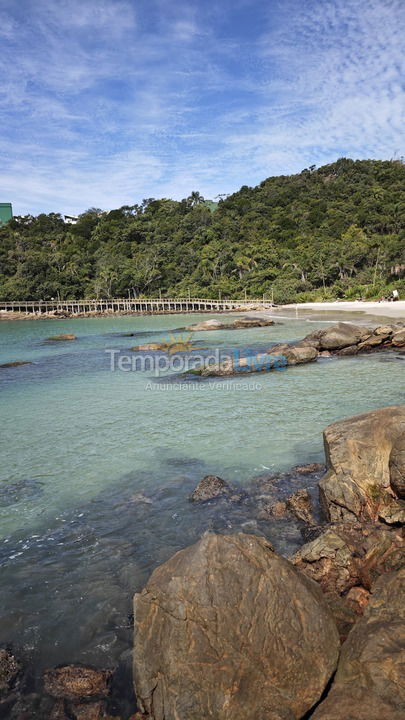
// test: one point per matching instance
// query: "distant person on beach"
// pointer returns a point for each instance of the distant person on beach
(394, 296)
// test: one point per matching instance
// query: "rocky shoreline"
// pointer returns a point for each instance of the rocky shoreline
(341, 340)
(230, 629)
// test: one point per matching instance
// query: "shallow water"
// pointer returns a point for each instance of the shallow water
(97, 465)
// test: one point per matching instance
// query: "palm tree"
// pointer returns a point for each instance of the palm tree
(195, 198)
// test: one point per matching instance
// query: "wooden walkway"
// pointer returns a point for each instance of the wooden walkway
(131, 305)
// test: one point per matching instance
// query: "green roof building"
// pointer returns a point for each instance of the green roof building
(6, 213)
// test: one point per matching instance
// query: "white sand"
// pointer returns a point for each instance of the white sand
(386, 309)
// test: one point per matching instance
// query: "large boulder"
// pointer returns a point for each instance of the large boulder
(369, 680)
(366, 466)
(228, 629)
(336, 337)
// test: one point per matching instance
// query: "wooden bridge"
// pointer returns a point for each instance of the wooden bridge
(131, 305)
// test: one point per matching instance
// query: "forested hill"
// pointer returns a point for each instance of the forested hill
(330, 232)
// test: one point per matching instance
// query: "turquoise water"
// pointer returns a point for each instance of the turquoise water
(80, 443)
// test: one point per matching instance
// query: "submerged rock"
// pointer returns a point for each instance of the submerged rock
(269, 510)
(366, 466)
(151, 347)
(369, 680)
(9, 669)
(210, 487)
(15, 363)
(75, 682)
(309, 469)
(229, 629)
(66, 336)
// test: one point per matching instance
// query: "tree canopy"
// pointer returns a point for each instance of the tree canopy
(336, 231)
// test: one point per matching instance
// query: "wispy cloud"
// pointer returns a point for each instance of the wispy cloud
(104, 102)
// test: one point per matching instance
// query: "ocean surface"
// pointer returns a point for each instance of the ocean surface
(97, 464)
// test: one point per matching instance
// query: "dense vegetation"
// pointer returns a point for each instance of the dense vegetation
(336, 231)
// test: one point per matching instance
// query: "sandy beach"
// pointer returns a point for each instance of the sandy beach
(393, 310)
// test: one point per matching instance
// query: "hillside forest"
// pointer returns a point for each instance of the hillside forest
(332, 232)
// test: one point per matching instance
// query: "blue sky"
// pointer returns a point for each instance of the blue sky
(106, 102)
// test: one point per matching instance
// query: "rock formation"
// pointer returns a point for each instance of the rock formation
(366, 467)
(369, 680)
(228, 629)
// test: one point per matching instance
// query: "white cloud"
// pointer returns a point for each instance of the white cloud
(104, 103)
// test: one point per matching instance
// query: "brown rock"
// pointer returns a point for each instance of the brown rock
(384, 330)
(371, 342)
(16, 363)
(207, 325)
(397, 467)
(9, 669)
(269, 510)
(369, 680)
(325, 354)
(346, 555)
(151, 347)
(343, 614)
(299, 355)
(251, 322)
(398, 339)
(350, 350)
(301, 505)
(336, 337)
(357, 598)
(66, 336)
(358, 451)
(58, 711)
(75, 682)
(228, 629)
(279, 348)
(309, 469)
(89, 711)
(209, 488)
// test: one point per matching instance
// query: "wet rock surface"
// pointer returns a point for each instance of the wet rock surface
(75, 682)
(233, 607)
(210, 487)
(9, 670)
(15, 363)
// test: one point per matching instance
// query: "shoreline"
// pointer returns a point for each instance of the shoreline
(374, 308)
(392, 310)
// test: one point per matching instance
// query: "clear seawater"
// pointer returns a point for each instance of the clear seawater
(82, 447)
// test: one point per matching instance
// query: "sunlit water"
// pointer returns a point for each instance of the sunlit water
(80, 443)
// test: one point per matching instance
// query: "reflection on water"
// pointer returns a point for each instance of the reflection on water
(96, 470)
